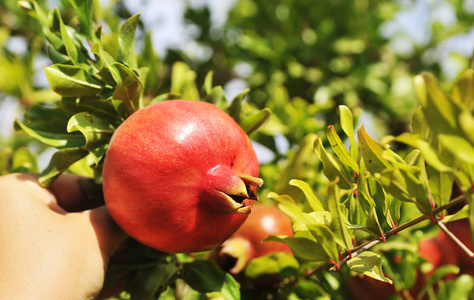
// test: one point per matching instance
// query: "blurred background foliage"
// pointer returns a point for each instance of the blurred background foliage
(299, 58)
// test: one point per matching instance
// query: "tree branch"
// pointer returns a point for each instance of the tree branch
(369, 244)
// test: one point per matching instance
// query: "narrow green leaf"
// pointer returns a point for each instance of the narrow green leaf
(419, 124)
(463, 89)
(412, 157)
(251, 123)
(217, 97)
(127, 41)
(71, 49)
(341, 151)
(83, 10)
(54, 39)
(347, 124)
(458, 146)
(207, 86)
(150, 59)
(369, 264)
(71, 81)
(59, 163)
(439, 110)
(326, 239)
(183, 81)
(429, 154)
(53, 139)
(332, 166)
(372, 152)
(96, 131)
(373, 224)
(104, 61)
(313, 201)
(23, 161)
(235, 107)
(338, 219)
(128, 89)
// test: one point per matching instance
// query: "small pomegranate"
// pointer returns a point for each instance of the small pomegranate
(180, 176)
(247, 242)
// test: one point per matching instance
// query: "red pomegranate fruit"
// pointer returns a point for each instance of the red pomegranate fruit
(247, 242)
(180, 176)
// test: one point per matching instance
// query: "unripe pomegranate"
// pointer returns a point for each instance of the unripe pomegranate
(247, 242)
(180, 176)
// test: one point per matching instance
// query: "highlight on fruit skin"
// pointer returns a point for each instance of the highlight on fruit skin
(180, 176)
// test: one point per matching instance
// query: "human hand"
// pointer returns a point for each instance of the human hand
(50, 247)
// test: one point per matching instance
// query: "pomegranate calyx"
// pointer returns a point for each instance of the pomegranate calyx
(239, 248)
(252, 181)
(233, 189)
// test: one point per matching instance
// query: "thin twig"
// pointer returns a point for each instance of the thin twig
(367, 245)
(455, 239)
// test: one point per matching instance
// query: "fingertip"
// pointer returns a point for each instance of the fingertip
(109, 235)
(70, 194)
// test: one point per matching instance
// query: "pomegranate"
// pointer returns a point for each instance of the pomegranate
(180, 176)
(247, 242)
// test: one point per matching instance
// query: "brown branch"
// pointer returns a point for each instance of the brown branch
(455, 239)
(358, 250)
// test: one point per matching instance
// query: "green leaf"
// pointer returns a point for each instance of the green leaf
(84, 12)
(251, 123)
(59, 163)
(458, 146)
(217, 97)
(235, 107)
(127, 41)
(150, 59)
(44, 20)
(326, 239)
(369, 264)
(332, 166)
(23, 161)
(71, 49)
(341, 151)
(128, 90)
(147, 280)
(303, 248)
(96, 131)
(347, 125)
(419, 124)
(51, 138)
(338, 219)
(461, 288)
(372, 152)
(71, 81)
(281, 263)
(205, 277)
(431, 156)
(104, 62)
(207, 86)
(373, 224)
(407, 184)
(183, 81)
(313, 201)
(439, 110)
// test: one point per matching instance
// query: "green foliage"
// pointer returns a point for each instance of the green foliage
(309, 65)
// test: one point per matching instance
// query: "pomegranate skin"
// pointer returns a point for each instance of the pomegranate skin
(179, 176)
(247, 242)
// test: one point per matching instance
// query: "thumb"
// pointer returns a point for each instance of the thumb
(109, 234)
